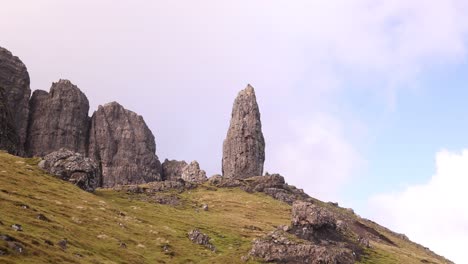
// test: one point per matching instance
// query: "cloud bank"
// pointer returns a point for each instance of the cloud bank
(434, 213)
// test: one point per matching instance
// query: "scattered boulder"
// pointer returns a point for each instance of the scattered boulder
(63, 244)
(14, 80)
(73, 167)
(192, 173)
(305, 214)
(58, 119)
(244, 146)
(198, 237)
(172, 169)
(17, 227)
(124, 145)
(42, 218)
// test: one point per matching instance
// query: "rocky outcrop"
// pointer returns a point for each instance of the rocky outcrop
(313, 237)
(172, 169)
(272, 185)
(72, 167)
(193, 173)
(14, 79)
(58, 119)
(279, 247)
(125, 147)
(244, 146)
(9, 140)
(199, 238)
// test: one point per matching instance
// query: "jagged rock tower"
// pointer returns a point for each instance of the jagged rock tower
(124, 145)
(244, 146)
(14, 81)
(58, 119)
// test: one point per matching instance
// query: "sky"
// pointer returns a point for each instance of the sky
(362, 102)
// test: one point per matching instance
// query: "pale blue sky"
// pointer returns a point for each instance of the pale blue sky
(358, 98)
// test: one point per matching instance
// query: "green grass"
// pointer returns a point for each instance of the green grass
(96, 224)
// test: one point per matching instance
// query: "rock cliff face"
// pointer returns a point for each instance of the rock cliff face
(172, 169)
(14, 79)
(244, 146)
(8, 137)
(124, 145)
(58, 119)
(193, 173)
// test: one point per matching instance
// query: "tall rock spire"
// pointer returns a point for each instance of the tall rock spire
(244, 146)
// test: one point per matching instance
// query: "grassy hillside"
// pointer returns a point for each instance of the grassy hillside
(115, 227)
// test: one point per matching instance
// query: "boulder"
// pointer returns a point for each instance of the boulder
(172, 169)
(124, 145)
(58, 119)
(193, 173)
(14, 79)
(244, 146)
(305, 214)
(73, 167)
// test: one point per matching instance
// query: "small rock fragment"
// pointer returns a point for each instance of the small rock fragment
(17, 227)
(198, 237)
(63, 244)
(42, 218)
(205, 207)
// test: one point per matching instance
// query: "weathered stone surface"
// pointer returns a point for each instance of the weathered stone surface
(279, 248)
(172, 169)
(193, 173)
(58, 119)
(73, 167)
(244, 146)
(305, 214)
(9, 139)
(153, 187)
(198, 237)
(124, 145)
(14, 79)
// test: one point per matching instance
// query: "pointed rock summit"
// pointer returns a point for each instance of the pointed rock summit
(244, 146)
(14, 80)
(58, 119)
(124, 145)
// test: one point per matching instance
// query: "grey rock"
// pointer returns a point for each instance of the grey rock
(14, 79)
(198, 237)
(305, 214)
(58, 119)
(244, 146)
(73, 167)
(17, 227)
(172, 169)
(153, 187)
(124, 145)
(193, 173)
(9, 139)
(277, 247)
(63, 244)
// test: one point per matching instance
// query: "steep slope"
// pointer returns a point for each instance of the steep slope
(137, 227)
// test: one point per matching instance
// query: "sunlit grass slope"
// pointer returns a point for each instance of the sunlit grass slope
(114, 227)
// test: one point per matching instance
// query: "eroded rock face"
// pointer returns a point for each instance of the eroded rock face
(193, 173)
(9, 140)
(14, 79)
(73, 167)
(244, 146)
(58, 119)
(172, 169)
(305, 214)
(124, 145)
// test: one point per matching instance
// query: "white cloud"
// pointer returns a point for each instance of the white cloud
(317, 157)
(433, 213)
